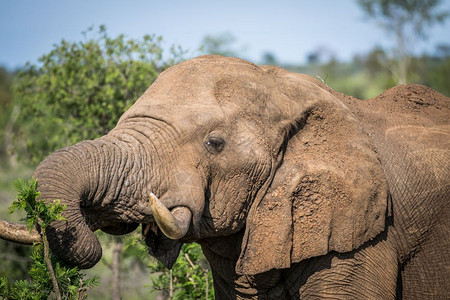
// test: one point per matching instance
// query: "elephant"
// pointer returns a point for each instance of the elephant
(293, 190)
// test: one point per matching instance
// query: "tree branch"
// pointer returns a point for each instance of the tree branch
(117, 249)
(49, 265)
(18, 233)
(171, 285)
(189, 260)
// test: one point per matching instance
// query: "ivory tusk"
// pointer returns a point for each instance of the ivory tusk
(173, 224)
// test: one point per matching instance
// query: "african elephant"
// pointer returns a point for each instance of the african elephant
(293, 190)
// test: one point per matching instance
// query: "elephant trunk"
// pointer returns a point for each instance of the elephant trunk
(98, 182)
(59, 179)
(106, 184)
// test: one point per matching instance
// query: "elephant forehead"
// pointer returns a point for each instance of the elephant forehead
(189, 81)
(207, 96)
(214, 88)
(247, 92)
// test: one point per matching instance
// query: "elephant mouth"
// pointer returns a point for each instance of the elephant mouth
(162, 236)
(160, 246)
(173, 223)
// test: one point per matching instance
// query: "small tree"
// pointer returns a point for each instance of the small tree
(48, 274)
(407, 21)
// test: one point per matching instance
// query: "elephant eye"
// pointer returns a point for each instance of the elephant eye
(214, 145)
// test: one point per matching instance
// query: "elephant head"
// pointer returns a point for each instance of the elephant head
(227, 147)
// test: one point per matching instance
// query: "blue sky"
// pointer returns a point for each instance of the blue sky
(288, 29)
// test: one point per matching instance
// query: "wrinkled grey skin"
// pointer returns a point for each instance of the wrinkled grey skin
(295, 191)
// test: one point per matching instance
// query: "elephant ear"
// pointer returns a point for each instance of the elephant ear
(329, 193)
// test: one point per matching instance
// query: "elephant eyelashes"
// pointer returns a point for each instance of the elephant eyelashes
(214, 145)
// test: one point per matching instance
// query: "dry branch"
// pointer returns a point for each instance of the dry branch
(18, 233)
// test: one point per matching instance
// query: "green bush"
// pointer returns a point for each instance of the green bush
(49, 275)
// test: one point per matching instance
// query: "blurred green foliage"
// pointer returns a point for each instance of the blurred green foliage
(367, 76)
(79, 90)
(406, 22)
(223, 44)
(6, 99)
(190, 277)
(413, 15)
